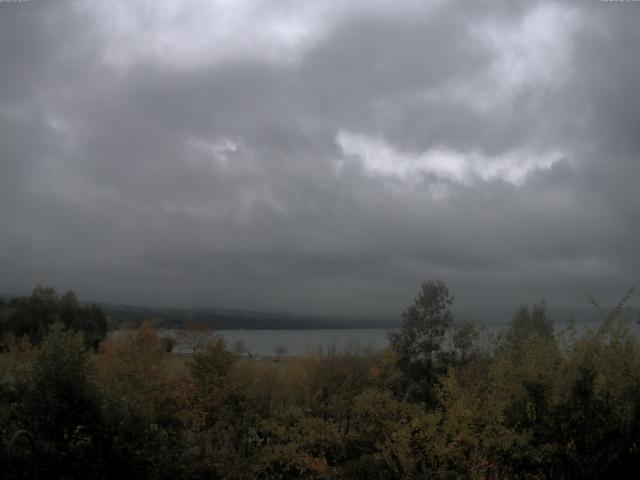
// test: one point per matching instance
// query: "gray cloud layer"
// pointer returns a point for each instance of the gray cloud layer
(323, 157)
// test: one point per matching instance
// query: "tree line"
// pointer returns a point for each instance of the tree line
(32, 317)
(445, 400)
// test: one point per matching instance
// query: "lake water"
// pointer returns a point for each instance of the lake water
(298, 342)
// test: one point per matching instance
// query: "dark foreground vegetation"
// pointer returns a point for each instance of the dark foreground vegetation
(441, 402)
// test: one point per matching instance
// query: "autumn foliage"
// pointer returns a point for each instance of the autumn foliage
(444, 401)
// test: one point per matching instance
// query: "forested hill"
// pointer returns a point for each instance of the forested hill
(229, 319)
(226, 319)
(119, 315)
(222, 319)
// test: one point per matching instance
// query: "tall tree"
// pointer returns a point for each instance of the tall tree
(59, 404)
(527, 322)
(418, 344)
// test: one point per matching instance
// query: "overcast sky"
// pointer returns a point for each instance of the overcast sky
(323, 156)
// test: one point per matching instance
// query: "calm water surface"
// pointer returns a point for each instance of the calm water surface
(298, 342)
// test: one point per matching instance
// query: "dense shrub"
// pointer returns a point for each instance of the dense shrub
(438, 403)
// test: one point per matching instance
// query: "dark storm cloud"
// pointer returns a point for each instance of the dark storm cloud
(325, 161)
